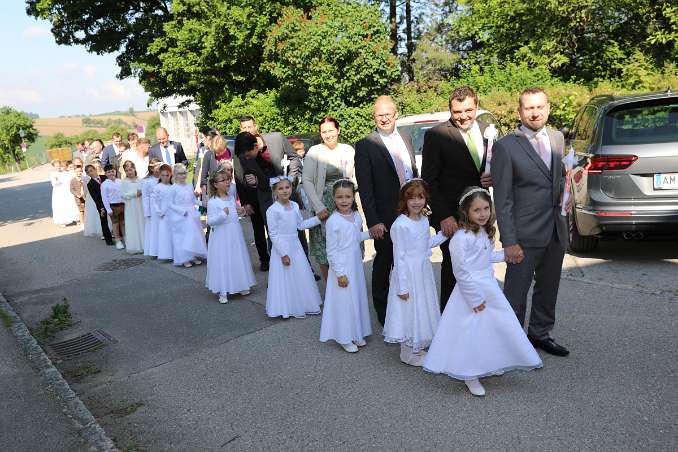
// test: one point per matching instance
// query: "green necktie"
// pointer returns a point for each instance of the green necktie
(473, 150)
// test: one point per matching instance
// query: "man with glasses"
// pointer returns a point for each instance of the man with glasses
(384, 161)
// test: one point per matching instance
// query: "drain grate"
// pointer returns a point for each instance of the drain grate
(120, 264)
(86, 343)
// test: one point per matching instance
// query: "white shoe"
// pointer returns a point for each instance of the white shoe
(102, 238)
(223, 299)
(360, 343)
(475, 387)
(188, 264)
(119, 245)
(408, 357)
(245, 292)
(351, 348)
(417, 359)
(197, 261)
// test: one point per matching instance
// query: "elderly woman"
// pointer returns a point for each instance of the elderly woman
(324, 164)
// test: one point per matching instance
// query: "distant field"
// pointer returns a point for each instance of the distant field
(74, 126)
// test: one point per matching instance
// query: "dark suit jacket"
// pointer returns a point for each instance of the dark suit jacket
(448, 168)
(179, 156)
(108, 156)
(277, 145)
(377, 178)
(94, 189)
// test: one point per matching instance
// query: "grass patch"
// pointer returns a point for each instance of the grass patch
(126, 410)
(6, 319)
(78, 374)
(60, 320)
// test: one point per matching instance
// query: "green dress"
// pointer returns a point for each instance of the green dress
(317, 234)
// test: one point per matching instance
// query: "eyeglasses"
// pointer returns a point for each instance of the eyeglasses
(385, 116)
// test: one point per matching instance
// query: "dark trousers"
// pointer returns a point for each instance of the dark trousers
(447, 279)
(381, 271)
(104, 228)
(259, 229)
(543, 265)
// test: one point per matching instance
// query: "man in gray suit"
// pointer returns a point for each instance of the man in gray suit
(111, 153)
(528, 176)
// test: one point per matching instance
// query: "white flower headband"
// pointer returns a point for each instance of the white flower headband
(274, 180)
(339, 181)
(472, 191)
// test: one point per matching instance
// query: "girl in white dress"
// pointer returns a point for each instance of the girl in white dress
(479, 334)
(130, 190)
(229, 269)
(346, 317)
(64, 209)
(151, 220)
(412, 313)
(161, 200)
(188, 238)
(92, 219)
(292, 290)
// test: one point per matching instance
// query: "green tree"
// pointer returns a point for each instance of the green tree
(59, 140)
(12, 123)
(575, 39)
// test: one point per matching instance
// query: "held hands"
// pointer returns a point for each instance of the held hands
(240, 211)
(377, 231)
(449, 226)
(480, 308)
(286, 260)
(486, 180)
(513, 254)
(251, 180)
(102, 212)
(342, 281)
(404, 296)
(323, 215)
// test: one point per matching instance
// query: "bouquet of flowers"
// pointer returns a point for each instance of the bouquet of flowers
(490, 135)
(568, 164)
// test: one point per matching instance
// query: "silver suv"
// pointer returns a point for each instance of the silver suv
(625, 178)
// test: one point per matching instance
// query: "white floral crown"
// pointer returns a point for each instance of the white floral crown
(472, 191)
(274, 180)
(343, 179)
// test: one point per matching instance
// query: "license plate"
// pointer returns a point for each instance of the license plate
(666, 181)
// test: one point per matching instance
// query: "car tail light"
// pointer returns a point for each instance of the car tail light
(601, 163)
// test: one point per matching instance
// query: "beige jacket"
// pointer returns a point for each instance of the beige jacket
(315, 166)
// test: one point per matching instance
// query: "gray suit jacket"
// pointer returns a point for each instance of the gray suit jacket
(526, 193)
(108, 155)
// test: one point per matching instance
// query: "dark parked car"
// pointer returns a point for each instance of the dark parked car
(625, 178)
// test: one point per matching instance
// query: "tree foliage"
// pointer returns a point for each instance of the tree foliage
(12, 122)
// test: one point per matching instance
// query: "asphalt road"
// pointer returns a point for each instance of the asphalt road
(185, 373)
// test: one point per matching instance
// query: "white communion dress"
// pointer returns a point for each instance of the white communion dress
(229, 268)
(64, 209)
(92, 220)
(162, 199)
(413, 321)
(150, 219)
(472, 345)
(292, 290)
(134, 215)
(187, 234)
(346, 316)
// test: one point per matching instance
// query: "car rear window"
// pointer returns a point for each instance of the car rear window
(647, 122)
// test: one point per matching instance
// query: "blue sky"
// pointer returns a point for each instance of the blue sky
(39, 76)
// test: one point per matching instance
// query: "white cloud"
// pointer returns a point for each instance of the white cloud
(89, 70)
(35, 32)
(19, 97)
(69, 68)
(112, 90)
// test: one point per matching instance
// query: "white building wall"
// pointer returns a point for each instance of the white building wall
(180, 122)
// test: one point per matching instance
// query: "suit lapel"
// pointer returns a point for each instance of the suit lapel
(531, 153)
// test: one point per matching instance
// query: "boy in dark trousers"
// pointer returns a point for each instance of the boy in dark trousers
(94, 187)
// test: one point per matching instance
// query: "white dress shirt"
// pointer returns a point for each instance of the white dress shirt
(532, 138)
(396, 145)
(110, 193)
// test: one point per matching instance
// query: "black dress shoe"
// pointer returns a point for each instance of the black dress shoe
(264, 267)
(110, 243)
(316, 276)
(549, 346)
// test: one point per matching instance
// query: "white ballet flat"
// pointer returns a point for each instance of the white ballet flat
(223, 299)
(351, 348)
(475, 387)
(360, 343)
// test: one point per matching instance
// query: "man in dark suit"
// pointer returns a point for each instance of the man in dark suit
(453, 158)
(94, 188)
(112, 153)
(527, 168)
(167, 151)
(384, 161)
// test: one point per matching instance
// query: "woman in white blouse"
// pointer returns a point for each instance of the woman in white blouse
(324, 164)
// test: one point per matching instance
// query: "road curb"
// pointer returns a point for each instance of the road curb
(87, 426)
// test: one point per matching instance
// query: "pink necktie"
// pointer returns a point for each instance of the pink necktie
(542, 151)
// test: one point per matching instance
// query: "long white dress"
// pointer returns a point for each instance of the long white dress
(150, 219)
(92, 221)
(64, 209)
(161, 201)
(134, 216)
(413, 321)
(188, 238)
(229, 268)
(469, 345)
(292, 290)
(346, 316)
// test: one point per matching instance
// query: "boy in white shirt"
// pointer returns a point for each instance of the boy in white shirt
(113, 203)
